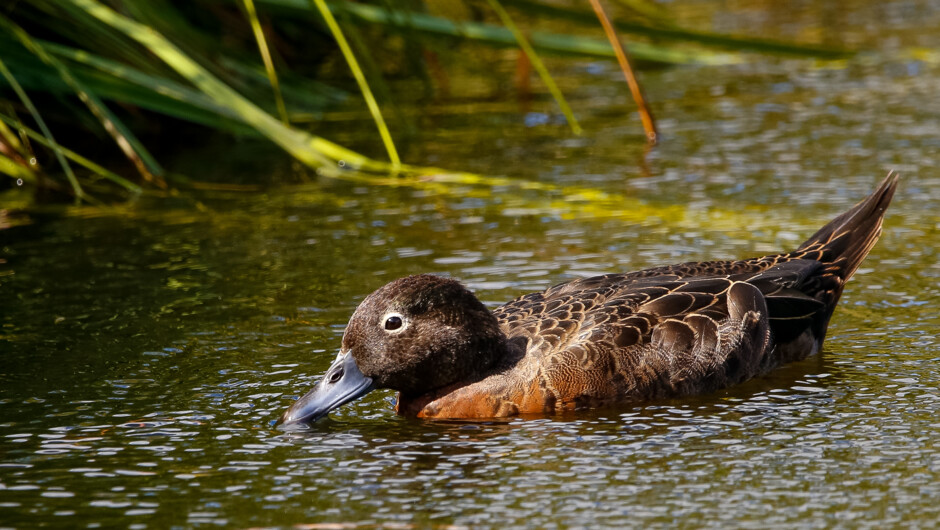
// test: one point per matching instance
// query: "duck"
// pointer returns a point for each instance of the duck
(659, 333)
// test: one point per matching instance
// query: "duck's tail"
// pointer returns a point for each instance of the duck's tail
(845, 241)
(799, 317)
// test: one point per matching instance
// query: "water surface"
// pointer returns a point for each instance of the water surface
(148, 348)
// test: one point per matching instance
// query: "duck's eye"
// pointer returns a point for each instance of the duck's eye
(393, 323)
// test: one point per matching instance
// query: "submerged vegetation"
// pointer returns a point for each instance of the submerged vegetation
(85, 76)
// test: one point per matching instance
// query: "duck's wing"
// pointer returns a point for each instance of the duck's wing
(648, 337)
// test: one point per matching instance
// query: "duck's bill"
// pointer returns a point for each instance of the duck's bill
(342, 383)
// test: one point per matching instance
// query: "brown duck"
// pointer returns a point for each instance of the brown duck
(663, 332)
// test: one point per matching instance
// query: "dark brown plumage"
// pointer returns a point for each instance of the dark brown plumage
(668, 331)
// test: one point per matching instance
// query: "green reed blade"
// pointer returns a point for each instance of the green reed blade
(72, 155)
(122, 135)
(28, 103)
(360, 80)
(266, 57)
(164, 17)
(12, 141)
(367, 62)
(309, 149)
(110, 80)
(410, 21)
(646, 8)
(10, 167)
(537, 64)
(111, 77)
(159, 95)
(74, 25)
(665, 31)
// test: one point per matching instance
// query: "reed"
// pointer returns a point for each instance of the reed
(76, 72)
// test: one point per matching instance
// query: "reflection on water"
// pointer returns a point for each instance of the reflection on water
(818, 441)
(147, 351)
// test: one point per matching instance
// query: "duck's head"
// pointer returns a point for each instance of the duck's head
(414, 335)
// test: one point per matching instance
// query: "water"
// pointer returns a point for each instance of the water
(148, 348)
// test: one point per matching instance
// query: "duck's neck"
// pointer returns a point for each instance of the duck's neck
(499, 356)
(483, 395)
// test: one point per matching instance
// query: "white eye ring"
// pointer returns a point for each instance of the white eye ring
(394, 322)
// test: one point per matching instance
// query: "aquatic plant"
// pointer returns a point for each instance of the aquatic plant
(86, 73)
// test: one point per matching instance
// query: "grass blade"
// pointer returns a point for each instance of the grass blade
(669, 32)
(309, 149)
(176, 101)
(266, 57)
(74, 25)
(111, 80)
(12, 147)
(73, 156)
(28, 103)
(129, 144)
(116, 81)
(410, 21)
(369, 66)
(646, 8)
(537, 64)
(15, 170)
(646, 117)
(360, 80)
(165, 17)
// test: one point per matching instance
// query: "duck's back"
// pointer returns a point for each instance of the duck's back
(668, 331)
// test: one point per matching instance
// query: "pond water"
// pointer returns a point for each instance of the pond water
(147, 348)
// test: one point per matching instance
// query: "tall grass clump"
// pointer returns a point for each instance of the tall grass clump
(119, 80)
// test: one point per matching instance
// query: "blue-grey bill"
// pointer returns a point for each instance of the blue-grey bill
(342, 383)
